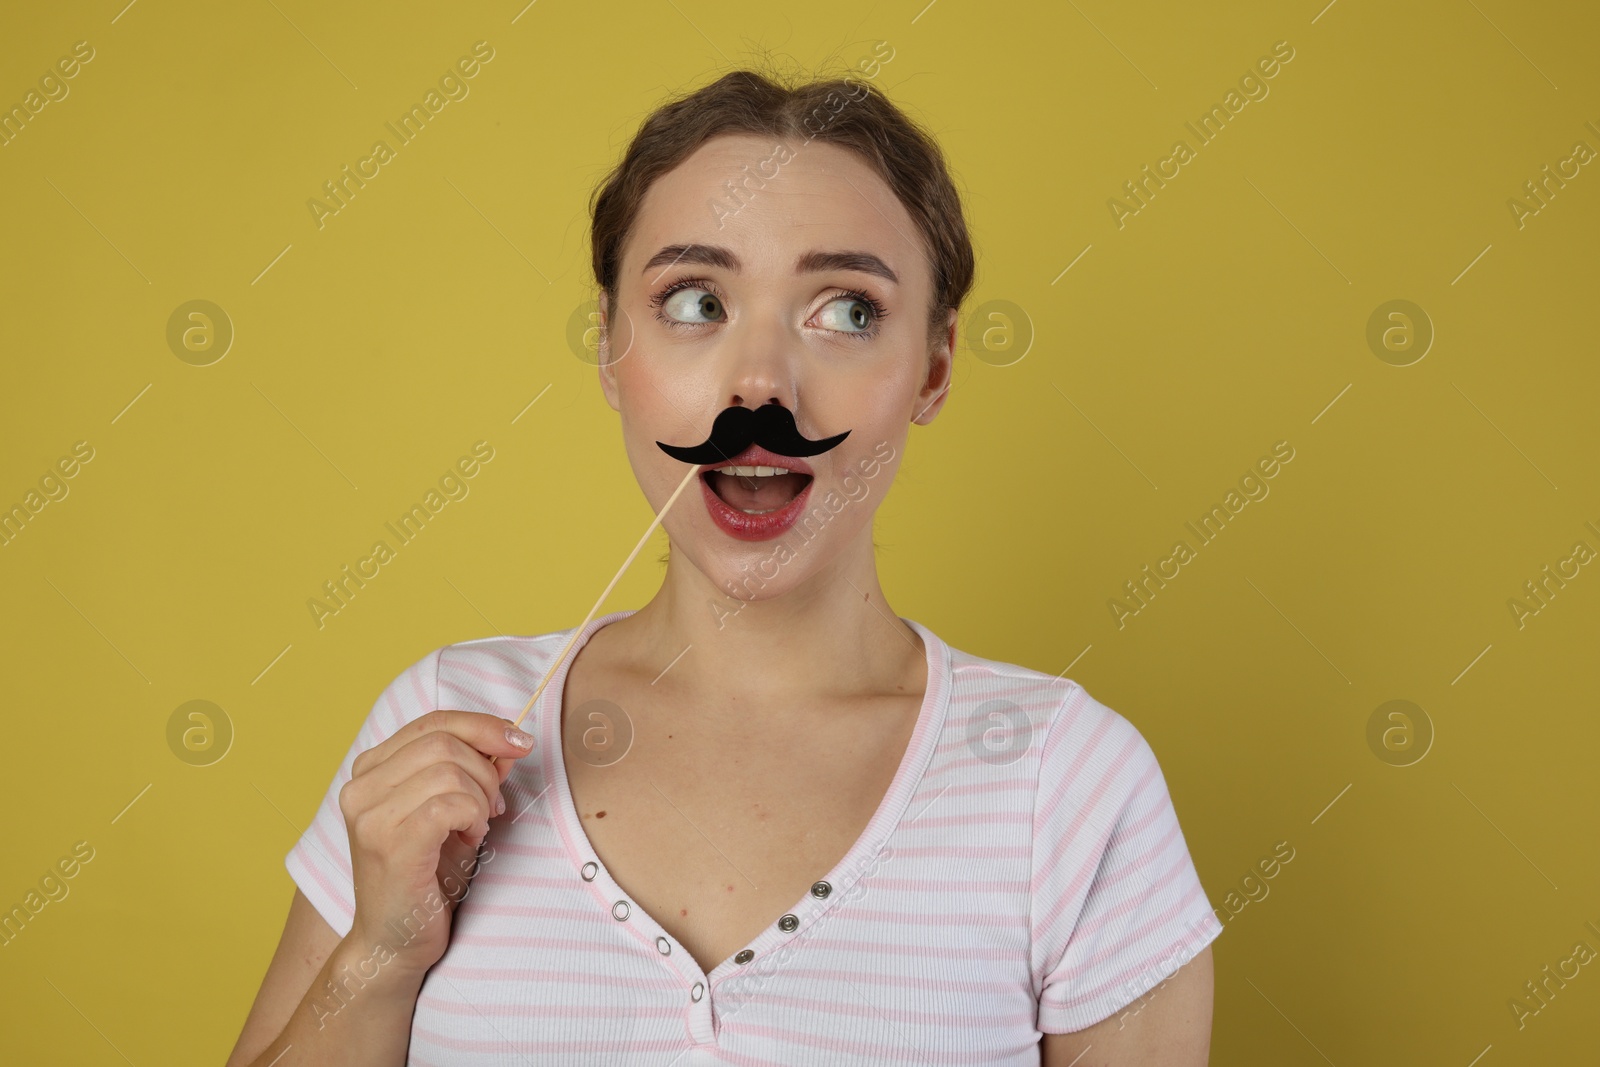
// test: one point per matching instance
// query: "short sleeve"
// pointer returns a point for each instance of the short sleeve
(319, 862)
(1117, 904)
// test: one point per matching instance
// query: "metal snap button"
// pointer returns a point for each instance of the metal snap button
(744, 956)
(821, 889)
(664, 946)
(589, 870)
(697, 992)
(619, 910)
(788, 923)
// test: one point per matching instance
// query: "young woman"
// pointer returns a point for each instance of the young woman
(763, 819)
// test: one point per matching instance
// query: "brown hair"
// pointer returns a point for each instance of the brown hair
(840, 111)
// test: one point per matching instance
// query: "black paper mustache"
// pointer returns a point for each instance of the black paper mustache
(771, 426)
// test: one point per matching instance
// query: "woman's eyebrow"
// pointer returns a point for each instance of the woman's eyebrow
(808, 262)
(866, 262)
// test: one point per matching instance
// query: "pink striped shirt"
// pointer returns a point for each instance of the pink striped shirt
(1024, 874)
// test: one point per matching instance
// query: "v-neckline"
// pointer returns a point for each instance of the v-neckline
(619, 908)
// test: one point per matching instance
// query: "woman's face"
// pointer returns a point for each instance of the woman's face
(718, 306)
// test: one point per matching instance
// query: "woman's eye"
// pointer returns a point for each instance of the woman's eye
(848, 314)
(685, 304)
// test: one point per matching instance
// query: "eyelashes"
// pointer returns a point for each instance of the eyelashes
(879, 312)
(659, 299)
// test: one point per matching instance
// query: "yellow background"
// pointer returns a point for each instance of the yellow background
(1230, 313)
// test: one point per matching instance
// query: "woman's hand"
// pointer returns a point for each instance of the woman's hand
(417, 807)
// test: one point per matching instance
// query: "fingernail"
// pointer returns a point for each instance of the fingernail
(518, 738)
(499, 804)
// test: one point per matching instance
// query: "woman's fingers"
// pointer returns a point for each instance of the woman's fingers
(440, 813)
(379, 819)
(464, 737)
(503, 769)
(484, 732)
(437, 749)
(405, 799)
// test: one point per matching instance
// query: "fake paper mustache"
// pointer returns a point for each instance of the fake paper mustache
(771, 426)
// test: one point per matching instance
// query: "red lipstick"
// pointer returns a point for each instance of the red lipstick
(742, 525)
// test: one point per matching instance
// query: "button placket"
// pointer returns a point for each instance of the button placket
(621, 910)
(698, 1021)
(860, 860)
(914, 763)
(607, 893)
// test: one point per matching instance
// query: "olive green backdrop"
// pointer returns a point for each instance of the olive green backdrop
(190, 475)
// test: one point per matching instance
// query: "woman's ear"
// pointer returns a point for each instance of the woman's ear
(608, 357)
(936, 386)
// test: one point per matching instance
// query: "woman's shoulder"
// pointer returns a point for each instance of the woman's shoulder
(1071, 730)
(1076, 749)
(488, 674)
(496, 668)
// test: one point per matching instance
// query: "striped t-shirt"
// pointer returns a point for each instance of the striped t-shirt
(1024, 874)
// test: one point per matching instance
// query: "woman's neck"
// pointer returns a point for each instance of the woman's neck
(832, 637)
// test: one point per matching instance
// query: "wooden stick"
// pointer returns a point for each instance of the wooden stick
(551, 673)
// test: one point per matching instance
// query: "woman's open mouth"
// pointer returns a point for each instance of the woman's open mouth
(756, 501)
(756, 490)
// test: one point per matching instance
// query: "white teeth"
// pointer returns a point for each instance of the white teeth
(754, 472)
(741, 471)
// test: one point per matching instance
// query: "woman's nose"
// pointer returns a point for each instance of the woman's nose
(763, 364)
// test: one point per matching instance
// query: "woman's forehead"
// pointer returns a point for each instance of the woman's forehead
(770, 201)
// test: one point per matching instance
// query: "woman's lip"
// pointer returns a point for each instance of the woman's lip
(756, 456)
(744, 527)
